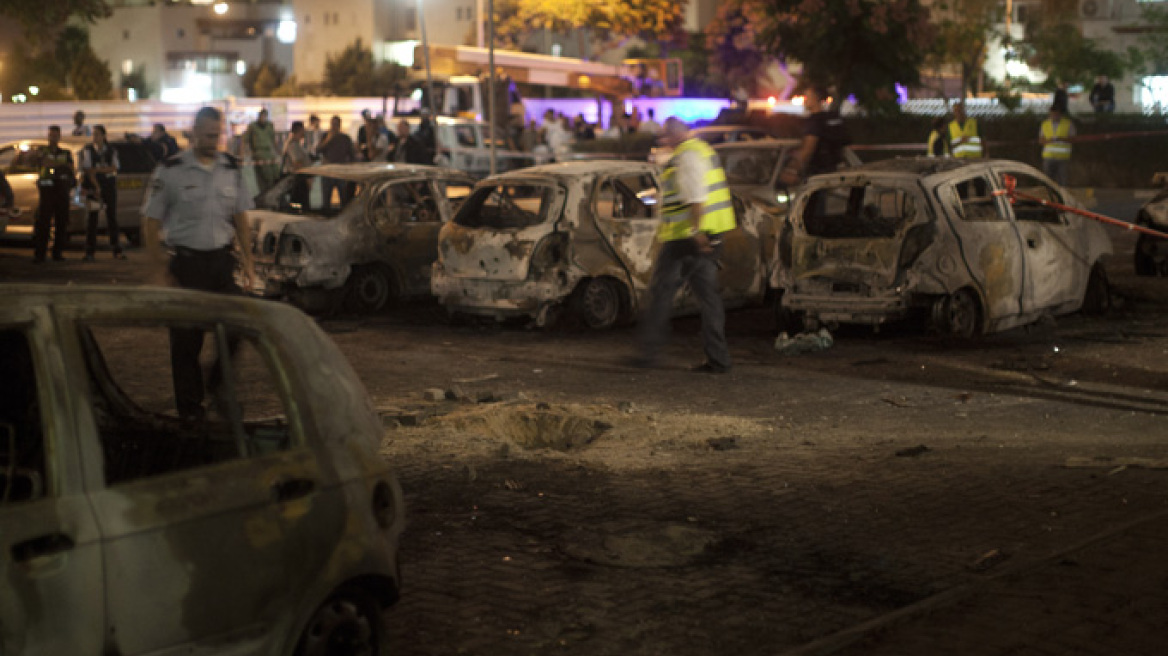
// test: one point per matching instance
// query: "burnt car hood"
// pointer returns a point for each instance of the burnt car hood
(489, 253)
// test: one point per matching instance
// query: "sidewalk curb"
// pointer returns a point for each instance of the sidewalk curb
(833, 643)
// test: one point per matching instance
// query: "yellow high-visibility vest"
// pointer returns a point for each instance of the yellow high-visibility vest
(972, 147)
(717, 211)
(934, 136)
(1060, 149)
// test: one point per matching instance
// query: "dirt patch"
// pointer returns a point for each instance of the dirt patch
(543, 429)
(652, 545)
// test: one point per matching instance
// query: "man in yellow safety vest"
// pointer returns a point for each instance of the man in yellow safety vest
(696, 211)
(963, 136)
(1055, 135)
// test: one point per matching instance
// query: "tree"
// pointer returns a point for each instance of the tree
(1063, 53)
(352, 72)
(732, 40)
(262, 79)
(42, 20)
(964, 30)
(1151, 52)
(861, 47)
(91, 76)
(652, 20)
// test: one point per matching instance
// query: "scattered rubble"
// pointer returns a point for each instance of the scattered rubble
(913, 451)
(1080, 462)
(804, 342)
(722, 443)
(434, 394)
(988, 560)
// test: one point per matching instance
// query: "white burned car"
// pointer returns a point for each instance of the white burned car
(358, 234)
(937, 239)
(579, 236)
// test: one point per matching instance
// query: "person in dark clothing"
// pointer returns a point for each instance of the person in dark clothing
(1061, 101)
(7, 197)
(1103, 95)
(938, 145)
(162, 145)
(55, 181)
(824, 139)
(422, 144)
(99, 166)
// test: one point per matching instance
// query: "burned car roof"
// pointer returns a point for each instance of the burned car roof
(921, 166)
(574, 169)
(362, 171)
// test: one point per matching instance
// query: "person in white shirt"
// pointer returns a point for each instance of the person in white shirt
(649, 125)
(558, 138)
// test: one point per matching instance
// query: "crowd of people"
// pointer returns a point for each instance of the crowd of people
(554, 137)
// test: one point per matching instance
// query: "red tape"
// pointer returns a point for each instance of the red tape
(1012, 195)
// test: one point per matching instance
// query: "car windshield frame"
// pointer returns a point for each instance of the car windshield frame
(280, 197)
(470, 213)
(764, 175)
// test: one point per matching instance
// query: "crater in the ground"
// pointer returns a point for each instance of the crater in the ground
(655, 545)
(544, 429)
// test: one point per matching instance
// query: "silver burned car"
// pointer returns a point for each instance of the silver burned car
(361, 235)
(578, 237)
(938, 240)
(753, 168)
(268, 527)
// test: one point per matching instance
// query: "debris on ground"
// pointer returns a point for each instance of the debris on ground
(912, 451)
(479, 379)
(900, 402)
(988, 560)
(804, 342)
(1079, 462)
(513, 485)
(626, 407)
(963, 397)
(722, 443)
(434, 394)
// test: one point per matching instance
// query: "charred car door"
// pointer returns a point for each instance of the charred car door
(989, 245)
(50, 543)
(626, 208)
(407, 215)
(1055, 271)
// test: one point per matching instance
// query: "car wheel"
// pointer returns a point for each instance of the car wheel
(1145, 255)
(1097, 296)
(958, 314)
(598, 303)
(348, 624)
(370, 289)
(787, 320)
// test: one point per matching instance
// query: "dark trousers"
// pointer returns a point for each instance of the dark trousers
(680, 262)
(210, 271)
(53, 211)
(108, 192)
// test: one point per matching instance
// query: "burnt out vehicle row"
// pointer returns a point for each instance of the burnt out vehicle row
(907, 238)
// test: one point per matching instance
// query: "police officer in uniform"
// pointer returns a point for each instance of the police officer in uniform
(199, 201)
(54, 182)
(99, 165)
(697, 210)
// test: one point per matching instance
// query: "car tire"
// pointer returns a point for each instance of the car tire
(1145, 255)
(348, 623)
(598, 303)
(958, 315)
(370, 289)
(1097, 296)
(787, 320)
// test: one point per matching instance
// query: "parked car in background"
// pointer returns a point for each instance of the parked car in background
(270, 526)
(465, 144)
(1151, 253)
(578, 237)
(753, 167)
(20, 161)
(358, 234)
(936, 239)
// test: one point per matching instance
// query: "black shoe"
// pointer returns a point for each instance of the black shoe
(709, 368)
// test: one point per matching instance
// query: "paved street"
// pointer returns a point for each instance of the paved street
(895, 494)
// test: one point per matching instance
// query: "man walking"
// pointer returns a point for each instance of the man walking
(697, 210)
(1055, 136)
(198, 200)
(55, 180)
(260, 139)
(99, 166)
(963, 136)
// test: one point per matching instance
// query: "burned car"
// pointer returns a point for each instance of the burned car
(579, 236)
(937, 239)
(753, 167)
(358, 234)
(267, 526)
(1151, 254)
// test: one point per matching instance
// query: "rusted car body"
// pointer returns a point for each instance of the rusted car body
(267, 526)
(580, 236)
(371, 242)
(939, 240)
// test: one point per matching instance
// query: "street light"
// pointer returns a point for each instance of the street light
(34, 90)
(220, 8)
